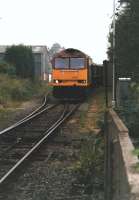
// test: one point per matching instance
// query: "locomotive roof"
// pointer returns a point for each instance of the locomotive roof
(70, 53)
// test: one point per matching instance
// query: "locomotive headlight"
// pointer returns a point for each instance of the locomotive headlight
(56, 81)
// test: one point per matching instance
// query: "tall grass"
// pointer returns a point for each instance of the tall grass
(13, 89)
(90, 168)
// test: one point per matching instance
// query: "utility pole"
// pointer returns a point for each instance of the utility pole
(113, 66)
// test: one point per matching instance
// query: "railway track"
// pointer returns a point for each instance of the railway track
(21, 140)
(29, 116)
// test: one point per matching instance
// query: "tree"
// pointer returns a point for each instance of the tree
(55, 49)
(127, 40)
(22, 58)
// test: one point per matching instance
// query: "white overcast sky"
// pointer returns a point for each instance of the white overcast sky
(81, 24)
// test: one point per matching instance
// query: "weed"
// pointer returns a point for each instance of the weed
(89, 168)
(13, 89)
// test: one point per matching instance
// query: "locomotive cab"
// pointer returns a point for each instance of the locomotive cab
(70, 74)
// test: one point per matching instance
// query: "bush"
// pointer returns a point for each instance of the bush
(12, 89)
(90, 168)
(22, 58)
(129, 111)
(5, 68)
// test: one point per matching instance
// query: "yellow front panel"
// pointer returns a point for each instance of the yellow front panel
(69, 77)
(70, 74)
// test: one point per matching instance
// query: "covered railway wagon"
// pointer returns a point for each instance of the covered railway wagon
(71, 74)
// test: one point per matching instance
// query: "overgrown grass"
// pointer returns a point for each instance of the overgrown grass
(136, 166)
(16, 90)
(97, 100)
(90, 167)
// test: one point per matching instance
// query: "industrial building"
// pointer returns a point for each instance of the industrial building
(41, 59)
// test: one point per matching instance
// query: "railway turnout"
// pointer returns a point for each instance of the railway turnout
(18, 142)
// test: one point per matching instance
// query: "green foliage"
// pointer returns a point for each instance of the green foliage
(136, 152)
(129, 111)
(136, 166)
(90, 167)
(5, 68)
(127, 40)
(130, 116)
(134, 88)
(22, 58)
(12, 89)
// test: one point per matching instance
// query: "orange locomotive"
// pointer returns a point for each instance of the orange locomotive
(71, 74)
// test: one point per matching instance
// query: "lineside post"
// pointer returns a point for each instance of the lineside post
(105, 65)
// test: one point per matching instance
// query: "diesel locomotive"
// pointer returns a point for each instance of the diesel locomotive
(71, 74)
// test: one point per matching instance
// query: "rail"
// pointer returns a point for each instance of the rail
(30, 116)
(66, 113)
